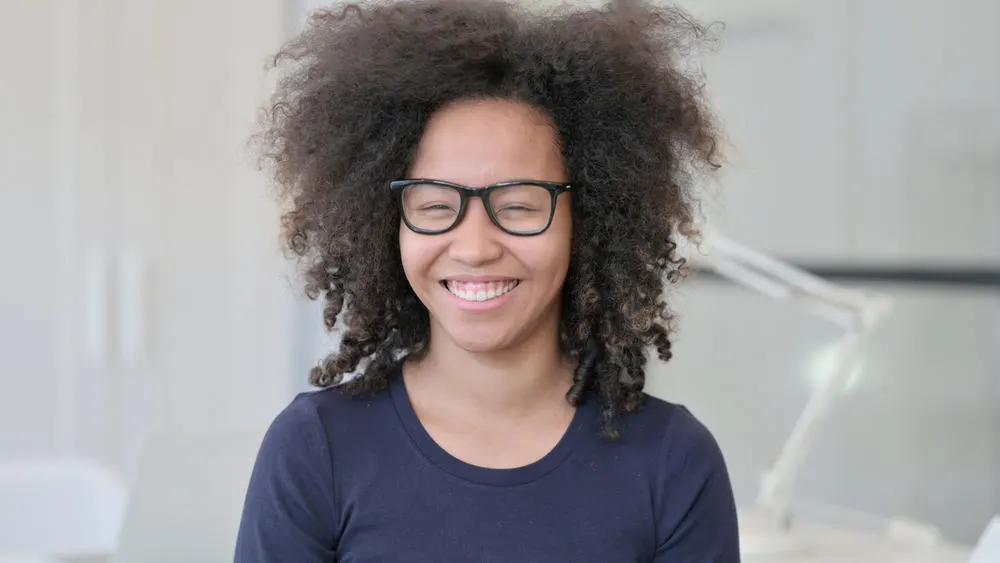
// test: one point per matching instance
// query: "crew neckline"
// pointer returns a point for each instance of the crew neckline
(474, 473)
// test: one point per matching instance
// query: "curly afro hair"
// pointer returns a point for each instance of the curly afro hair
(357, 88)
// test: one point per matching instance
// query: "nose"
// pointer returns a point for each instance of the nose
(475, 241)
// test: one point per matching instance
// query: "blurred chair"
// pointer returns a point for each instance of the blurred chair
(187, 498)
(62, 509)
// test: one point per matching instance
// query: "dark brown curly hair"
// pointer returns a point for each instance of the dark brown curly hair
(358, 86)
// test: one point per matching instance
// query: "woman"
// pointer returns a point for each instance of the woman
(489, 201)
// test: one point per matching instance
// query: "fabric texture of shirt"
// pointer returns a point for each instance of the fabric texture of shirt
(358, 479)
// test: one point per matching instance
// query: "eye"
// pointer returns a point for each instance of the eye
(436, 207)
(517, 208)
(521, 199)
(431, 199)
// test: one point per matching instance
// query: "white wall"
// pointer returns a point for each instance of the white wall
(142, 282)
(860, 125)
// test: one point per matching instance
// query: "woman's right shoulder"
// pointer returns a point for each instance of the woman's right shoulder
(291, 511)
(321, 415)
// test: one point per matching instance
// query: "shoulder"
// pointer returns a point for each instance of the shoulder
(291, 504)
(303, 418)
(676, 433)
(693, 499)
(318, 417)
(297, 436)
(334, 403)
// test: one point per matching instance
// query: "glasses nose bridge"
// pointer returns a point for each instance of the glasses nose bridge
(470, 196)
(475, 237)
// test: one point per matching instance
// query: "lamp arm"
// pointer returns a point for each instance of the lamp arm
(859, 312)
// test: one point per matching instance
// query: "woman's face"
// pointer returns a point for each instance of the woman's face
(487, 290)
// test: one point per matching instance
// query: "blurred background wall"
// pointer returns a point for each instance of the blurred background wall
(143, 287)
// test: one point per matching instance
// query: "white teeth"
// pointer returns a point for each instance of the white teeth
(480, 291)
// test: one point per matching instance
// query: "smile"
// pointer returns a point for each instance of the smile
(480, 291)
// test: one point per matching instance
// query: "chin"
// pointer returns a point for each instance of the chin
(478, 341)
(486, 329)
(486, 345)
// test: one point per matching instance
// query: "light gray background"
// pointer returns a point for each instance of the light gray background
(142, 287)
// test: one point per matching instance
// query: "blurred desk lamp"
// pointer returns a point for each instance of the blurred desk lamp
(859, 313)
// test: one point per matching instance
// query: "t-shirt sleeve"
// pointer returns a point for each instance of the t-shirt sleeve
(697, 520)
(289, 513)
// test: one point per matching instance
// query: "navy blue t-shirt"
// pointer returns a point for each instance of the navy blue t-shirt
(359, 480)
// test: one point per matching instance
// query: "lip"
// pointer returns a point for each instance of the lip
(477, 306)
(477, 279)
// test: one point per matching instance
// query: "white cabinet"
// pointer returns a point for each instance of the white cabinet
(143, 284)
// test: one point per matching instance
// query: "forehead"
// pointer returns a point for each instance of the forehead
(480, 142)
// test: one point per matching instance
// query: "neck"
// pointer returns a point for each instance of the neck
(528, 377)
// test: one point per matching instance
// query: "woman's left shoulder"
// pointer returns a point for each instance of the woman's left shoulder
(673, 430)
(694, 506)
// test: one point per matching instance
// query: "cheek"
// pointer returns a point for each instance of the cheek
(417, 253)
(548, 256)
(562, 233)
(409, 252)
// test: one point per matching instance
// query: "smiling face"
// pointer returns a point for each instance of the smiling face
(487, 290)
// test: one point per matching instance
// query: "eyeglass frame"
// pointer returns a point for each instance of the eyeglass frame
(555, 189)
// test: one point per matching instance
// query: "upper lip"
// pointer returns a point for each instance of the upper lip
(478, 279)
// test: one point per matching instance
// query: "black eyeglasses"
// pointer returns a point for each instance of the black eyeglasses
(516, 207)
